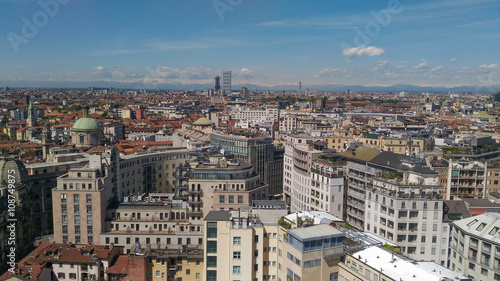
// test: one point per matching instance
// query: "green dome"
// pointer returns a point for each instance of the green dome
(86, 123)
(203, 122)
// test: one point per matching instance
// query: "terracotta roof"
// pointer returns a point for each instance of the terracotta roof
(120, 266)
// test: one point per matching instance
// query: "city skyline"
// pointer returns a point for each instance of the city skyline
(65, 43)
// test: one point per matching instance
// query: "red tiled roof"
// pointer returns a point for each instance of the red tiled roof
(120, 266)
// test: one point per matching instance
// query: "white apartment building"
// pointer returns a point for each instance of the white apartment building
(410, 216)
(312, 181)
(270, 113)
(327, 186)
(475, 247)
(297, 162)
(377, 264)
(397, 199)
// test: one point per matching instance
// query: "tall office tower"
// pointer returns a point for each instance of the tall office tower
(244, 91)
(217, 83)
(226, 82)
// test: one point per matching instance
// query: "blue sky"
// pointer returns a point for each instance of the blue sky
(267, 43)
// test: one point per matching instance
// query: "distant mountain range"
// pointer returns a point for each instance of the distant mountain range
(252, 87)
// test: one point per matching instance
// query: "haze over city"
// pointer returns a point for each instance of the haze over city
(267, 44)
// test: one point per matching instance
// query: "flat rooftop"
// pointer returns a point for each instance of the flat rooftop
(315, 231)
(402, 268)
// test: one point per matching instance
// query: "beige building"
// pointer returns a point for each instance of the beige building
(310, 253)
(79, 205)
(148, 221)
(223, 185)
(240, 246)
(83, 194)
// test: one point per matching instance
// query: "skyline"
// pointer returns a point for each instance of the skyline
(75, 42)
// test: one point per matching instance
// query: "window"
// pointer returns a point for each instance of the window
(212, 247)
(64, 208)
(61, 275)
(472, 266)
(89, 198)
(211, 261)
(222, 199)
(211, 230)
(65, 229)
(89, 219)
(231, 199)
(240, 199)
(157, 273)
(63, 198)
(236, 269)
(76, 209)
(236, 240)
(484, 271)
(237, 255)
(198, 276)
(77, 219)
(89, 209)
(89, 229)
(77, 229)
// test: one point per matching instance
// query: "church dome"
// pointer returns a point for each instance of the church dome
(203, 122)
(20, 173)
(86, 123)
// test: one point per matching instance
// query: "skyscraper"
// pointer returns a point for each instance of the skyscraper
(226, 82)
(217, 83)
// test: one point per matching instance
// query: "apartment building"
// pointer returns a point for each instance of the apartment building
(297, 162)
(327, 185)
(83, 195)
(15, 202)
(240, 246)
(378, 264)
(42, 179)
(65, 261)
(410, 216)
(256, 149)
(398, 199)
(223, 185)
(475, 247)
(151, 221)
(310, 253)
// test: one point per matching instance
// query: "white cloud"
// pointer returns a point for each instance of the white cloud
(328, 72)
(453, 60)
(380, 65)
(421, 66)
(247, 73)
(493, 65)
(362, 51)
(99, 68)
(437, 68)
